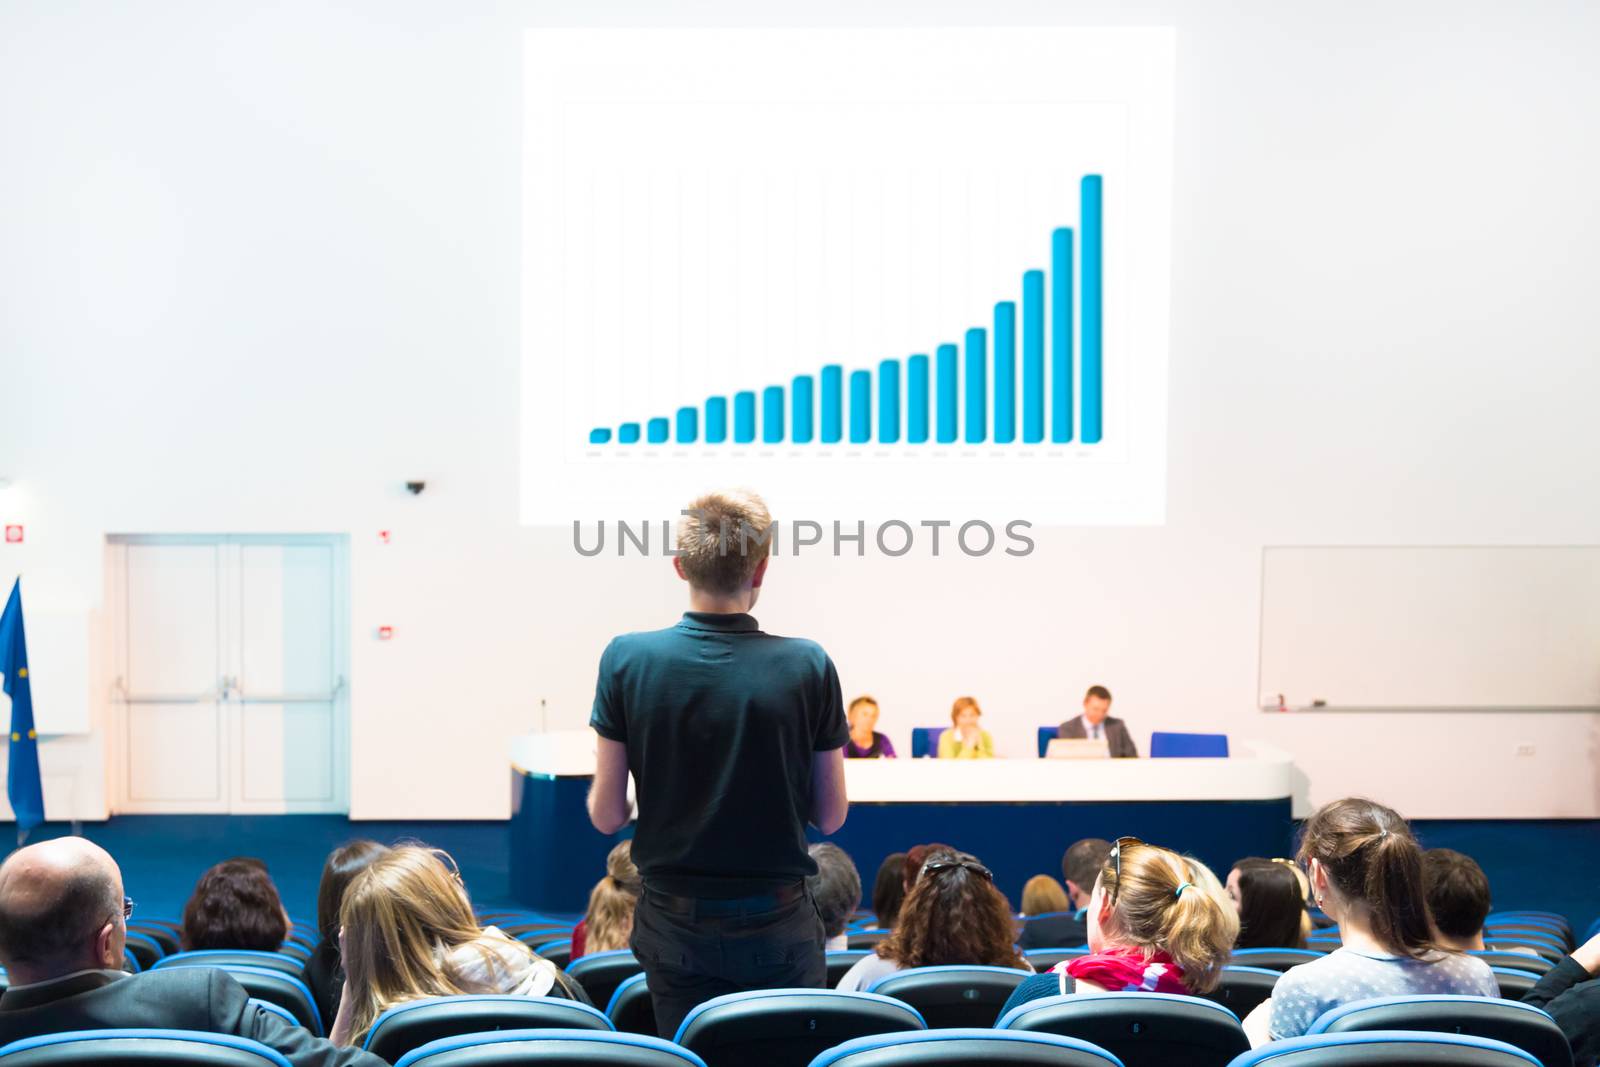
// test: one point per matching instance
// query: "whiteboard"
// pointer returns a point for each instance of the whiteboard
(1420, 628)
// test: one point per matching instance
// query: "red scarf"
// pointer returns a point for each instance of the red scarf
(1124, 970)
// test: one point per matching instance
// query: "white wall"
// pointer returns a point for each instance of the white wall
(259, 266)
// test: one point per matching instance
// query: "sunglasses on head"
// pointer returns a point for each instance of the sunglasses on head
(933, 866)
(1116, 861)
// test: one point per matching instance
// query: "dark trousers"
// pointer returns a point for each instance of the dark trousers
(691, 956)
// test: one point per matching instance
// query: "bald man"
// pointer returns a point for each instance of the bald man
(62, 926)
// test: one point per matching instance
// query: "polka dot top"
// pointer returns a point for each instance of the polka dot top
(1344, 975)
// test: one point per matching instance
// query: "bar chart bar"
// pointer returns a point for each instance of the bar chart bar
(889, 401)
(1089, 221)
(977, 401)
(1005, 372)
(600, 437)
(1061, 336)
(628, 433)
(802, 402)
(860, 407)
(688, 425)
(657, 431)
(772, 415)
(716, 420)
(917, 400)
(744, 417)
(1033, 357)
(832, 404)
(948, 366)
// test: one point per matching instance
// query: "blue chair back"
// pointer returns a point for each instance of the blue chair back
(139, 1048)
(925, 741)
(413, 1025)
(557, 951)
(964, 1047)
(229, 957)
(840, 960)
(1385, 1048)
(1047, 734)
(274, 1009)
(1188, 746)
(551, 1048)
(787, 1027)
(1242, 989)
(599, 973)
(264, 983)
(631, 1010)
(954, 996)
(1517, 1024)
(1043, 959)
(1514, 983)
(1277, 959)
(1520, 961)
(1140, 1029)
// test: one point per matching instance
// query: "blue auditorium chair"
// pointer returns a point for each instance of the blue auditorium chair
(1386, 1048)
(955, 996)
(139, 1048)
(416, 1023)
(160, 933)
(1520, 961)
(1242, 989)
(1043, 959)
(841, 960)
(232, 957)
(263, 983)
(787, 1027)
(1514, 982)
(599, 973)
(1188, 746)
(965, 1047)
(1543, 948)
(274, 1009)
(865, 938)
(130, 962)
(551, 1048)
(144, 948)
(1522, 1025)
(1277, 959)
(1047, 734)
(558, 951)
(1140, 1029)
(925, 741)
(631, 1010)
(295, 950)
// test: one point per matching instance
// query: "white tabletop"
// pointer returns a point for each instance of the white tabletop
(1256, 772)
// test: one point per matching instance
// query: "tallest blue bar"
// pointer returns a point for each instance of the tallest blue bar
(1093, 298)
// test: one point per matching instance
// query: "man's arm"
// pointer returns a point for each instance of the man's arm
(608, 796)
(1129, 749)
(829, 804)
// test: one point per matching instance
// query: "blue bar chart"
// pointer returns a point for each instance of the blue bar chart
(976, 398)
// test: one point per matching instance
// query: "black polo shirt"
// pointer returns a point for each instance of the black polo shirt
(720, 721)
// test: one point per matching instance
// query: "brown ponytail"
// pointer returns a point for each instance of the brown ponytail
(1372, 858)
(609, 920)
(1172, 903)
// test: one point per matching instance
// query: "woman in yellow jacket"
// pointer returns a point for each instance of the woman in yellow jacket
(966, 739)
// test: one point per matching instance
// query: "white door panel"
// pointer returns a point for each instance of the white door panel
(173, 621)
(287, 755)
(286, 619)
(174, 756)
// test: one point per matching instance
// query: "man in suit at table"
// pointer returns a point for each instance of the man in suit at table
(1096, 722)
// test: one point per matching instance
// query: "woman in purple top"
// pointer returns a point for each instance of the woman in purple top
(864, 742)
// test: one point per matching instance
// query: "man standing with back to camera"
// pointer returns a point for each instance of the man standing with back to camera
(735, 739)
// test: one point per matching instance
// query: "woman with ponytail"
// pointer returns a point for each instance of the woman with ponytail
(1158, 923)
(609, 920)
(1366, 874)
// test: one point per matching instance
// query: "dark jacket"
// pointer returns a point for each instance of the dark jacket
(180, 998)
(1572, 997)
(1115, 731)
(1060, 929)
(324, 976)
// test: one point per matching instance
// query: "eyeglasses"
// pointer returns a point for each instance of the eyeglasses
(933, 866)
(1116, 862)
(127, 908)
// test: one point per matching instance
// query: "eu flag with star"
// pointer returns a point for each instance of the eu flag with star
(23, 785)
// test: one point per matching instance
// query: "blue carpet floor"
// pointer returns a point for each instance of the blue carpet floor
(1548, 864)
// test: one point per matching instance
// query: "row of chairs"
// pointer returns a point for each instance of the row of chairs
(794, 1028)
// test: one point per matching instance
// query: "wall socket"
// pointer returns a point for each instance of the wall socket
(1526, 749)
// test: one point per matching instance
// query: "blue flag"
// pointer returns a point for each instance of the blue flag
(23, 785)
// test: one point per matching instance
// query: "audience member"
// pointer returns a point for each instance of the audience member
(966, 739)
(1270, 903)
(953, 914)
(865, 742)
(235, 906)
(323, 973)
(916, 856)
(62, 929)
(409, 933)
(889, 890)
(1080, 866)
(836, 887)
(1570, 992)
(1457, 891)
(1366, 874)
(608, 923)
(1043, 895)
(1158, 923)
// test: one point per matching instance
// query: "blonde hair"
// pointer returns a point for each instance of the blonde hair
(961, 704)
(402, 917)
(1042, 895)
(609, 920)
(1164, 902)
(722, 539)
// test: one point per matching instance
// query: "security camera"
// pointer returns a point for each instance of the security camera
(416, 488)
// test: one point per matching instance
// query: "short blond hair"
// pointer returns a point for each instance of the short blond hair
(722, 539)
